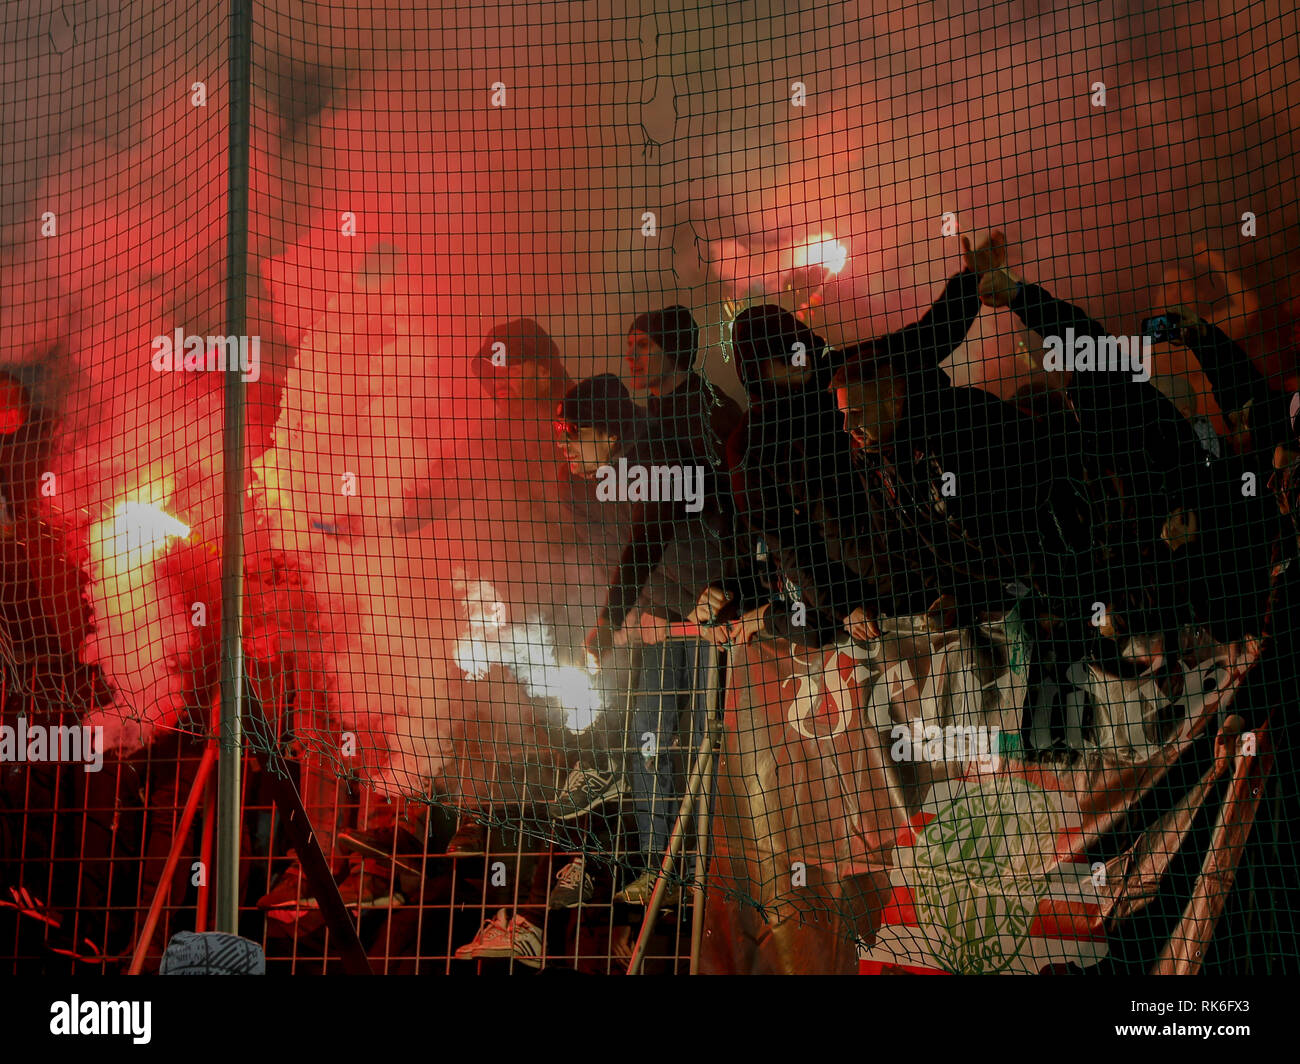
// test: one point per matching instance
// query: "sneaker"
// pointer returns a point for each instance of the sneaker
(289, 891)
(371, 886)
(639, 890)
(470, 840)
(583, 791)
(519, 938)
(572, 886)
(395, 846)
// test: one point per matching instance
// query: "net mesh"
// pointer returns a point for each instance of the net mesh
(727, 487)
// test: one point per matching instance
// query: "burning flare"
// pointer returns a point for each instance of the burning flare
(526, 650)
(140, 528)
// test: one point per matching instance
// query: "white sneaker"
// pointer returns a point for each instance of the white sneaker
(502, 937)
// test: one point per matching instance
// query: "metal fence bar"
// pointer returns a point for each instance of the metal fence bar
(232, 538)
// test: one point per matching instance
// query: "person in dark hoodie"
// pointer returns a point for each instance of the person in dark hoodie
(958, 478)
(1135, 441)
(796, 490)
(1233, 539)
(687, 408)
(789, 473)
(960, 488)
(1268, 423)
(677, 542)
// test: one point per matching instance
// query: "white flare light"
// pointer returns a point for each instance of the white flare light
(140, 528)
(527, 651)
(822, 250)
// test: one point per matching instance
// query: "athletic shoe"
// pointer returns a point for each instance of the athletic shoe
(519, 938)
(370, 886)
(470, 840)
(585, 790)
(395, 846)
(639, 890)
(572, 886)
(289, 891)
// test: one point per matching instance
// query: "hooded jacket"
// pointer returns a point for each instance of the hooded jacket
(791, 479)
(1139, 448)
(1241, 536)
(959, 498)
(695, 416)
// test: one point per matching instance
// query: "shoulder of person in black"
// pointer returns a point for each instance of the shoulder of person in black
(681, 411)
(649, 449)
(697, 415)
(993, 449)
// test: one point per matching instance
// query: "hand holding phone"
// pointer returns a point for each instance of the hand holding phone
(1164, 328)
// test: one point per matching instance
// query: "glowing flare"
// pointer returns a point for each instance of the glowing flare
(573, 687)
(822, 250)
(579, 720)
(473, 659)
(141, 528)
(527, 651)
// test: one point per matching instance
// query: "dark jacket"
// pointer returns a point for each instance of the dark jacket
(669, 554)
(1235, 382)
(960, 498)
(1241, 537)
(1144, 461)
(696, 417)
(831, 545)
(791, 476)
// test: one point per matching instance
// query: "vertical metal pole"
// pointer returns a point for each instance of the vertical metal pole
(180, 840)
(714, 716)
(232, 538)
(203, 904)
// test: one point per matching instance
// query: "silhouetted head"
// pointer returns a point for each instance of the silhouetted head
(870, 392)
(660, 345)
(774, 350)
(519, 364)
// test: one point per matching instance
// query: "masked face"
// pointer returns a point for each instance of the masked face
(783, 373)
(585, 449)
(871, 411)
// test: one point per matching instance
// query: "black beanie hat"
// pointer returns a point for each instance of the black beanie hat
(761, 334)
(601, 403)
(674, 330)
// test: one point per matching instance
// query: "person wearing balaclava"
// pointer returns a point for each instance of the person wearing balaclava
(690, 412)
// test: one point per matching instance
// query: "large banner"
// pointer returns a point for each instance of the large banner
(961, 812)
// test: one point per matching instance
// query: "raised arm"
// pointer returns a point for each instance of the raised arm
(926, 343)
(1237, 385)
